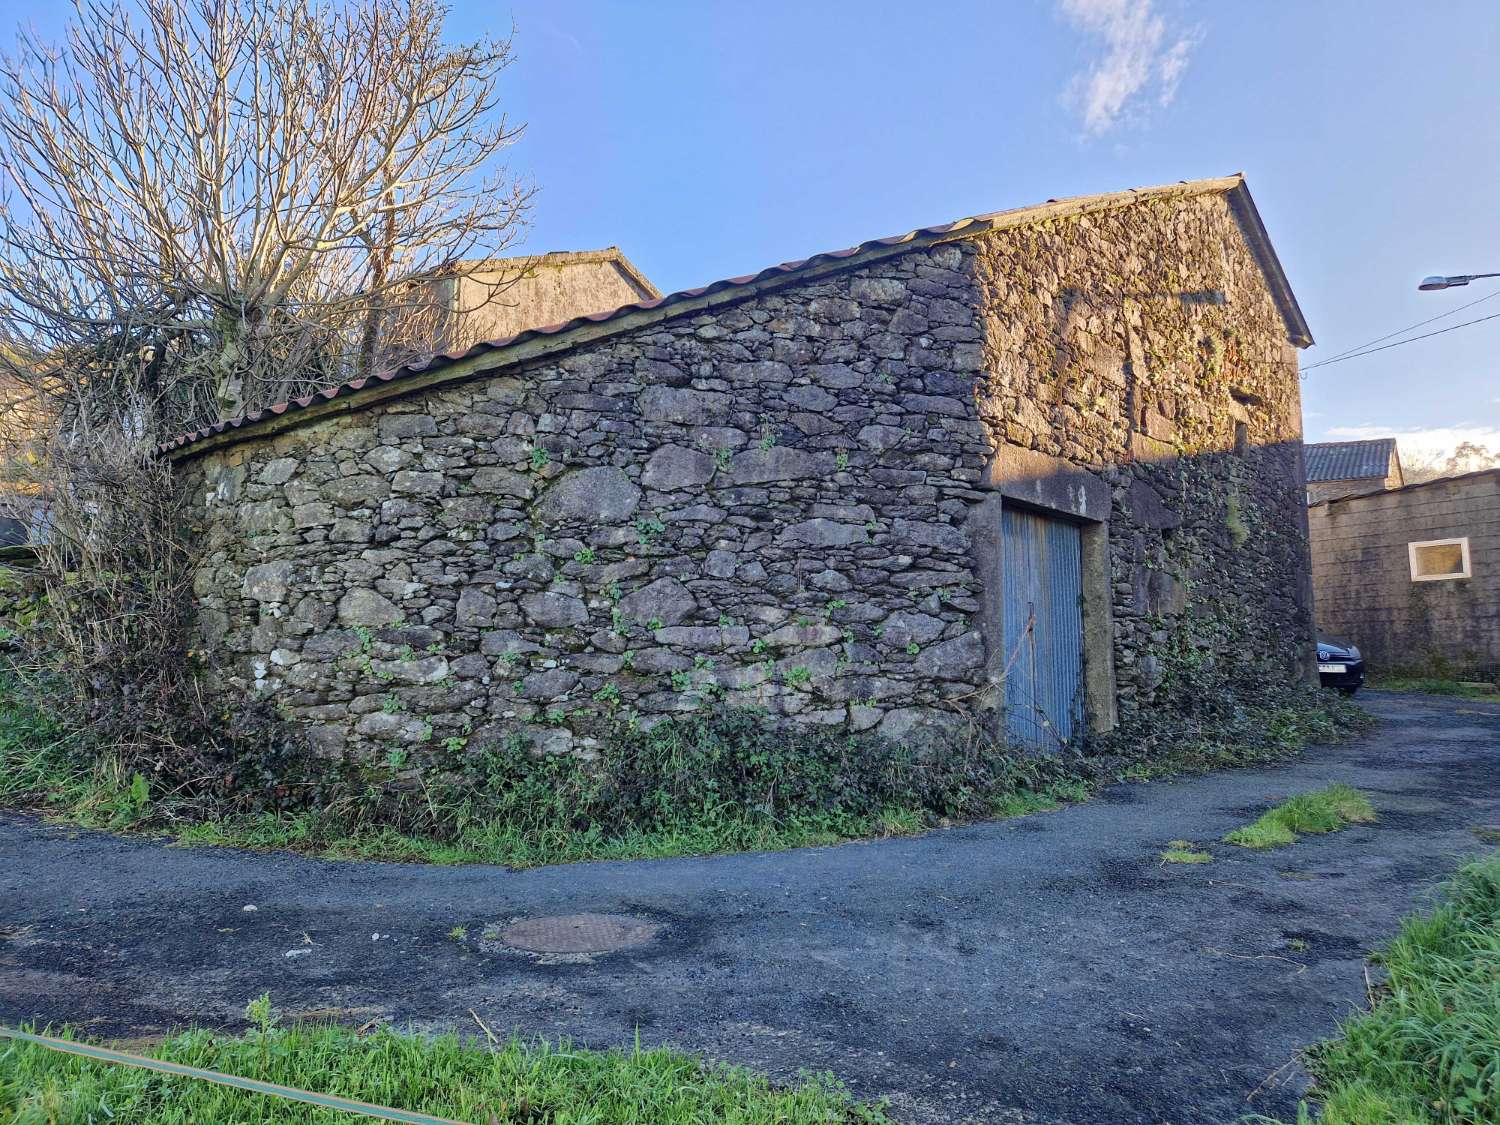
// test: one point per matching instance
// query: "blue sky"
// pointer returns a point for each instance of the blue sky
(710, 138)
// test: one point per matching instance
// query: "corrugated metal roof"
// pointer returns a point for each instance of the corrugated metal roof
(1349, 460)
(729, 288)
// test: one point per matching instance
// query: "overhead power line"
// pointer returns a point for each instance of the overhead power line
(1409, 327)
(1410, 340)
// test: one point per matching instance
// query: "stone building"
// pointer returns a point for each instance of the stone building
(1410, 574)
(1014, 471)
(1347, 468)
(497, 299)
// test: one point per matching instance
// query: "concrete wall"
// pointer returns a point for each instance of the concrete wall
(785, 502)
(1362, 575)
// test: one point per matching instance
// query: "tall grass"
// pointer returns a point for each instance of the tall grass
(517, 1082)
(1313, 813)
(1428, 1051)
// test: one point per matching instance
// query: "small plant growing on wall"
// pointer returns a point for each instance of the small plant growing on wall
(1239, 534)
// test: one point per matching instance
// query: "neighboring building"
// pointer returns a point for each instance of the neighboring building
(496, 299)
(1344, 468)
(1017, 470)
(1412, 574)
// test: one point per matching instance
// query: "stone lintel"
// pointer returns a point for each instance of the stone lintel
(1047, 482)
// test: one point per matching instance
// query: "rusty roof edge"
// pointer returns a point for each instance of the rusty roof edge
(487, 356)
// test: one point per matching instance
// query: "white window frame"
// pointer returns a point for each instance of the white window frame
(1411, 558)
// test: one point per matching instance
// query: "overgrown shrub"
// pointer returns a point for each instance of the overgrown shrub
(718, 781)
(1207, 715)
(100, 638)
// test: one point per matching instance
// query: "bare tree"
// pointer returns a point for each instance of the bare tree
(212, 205)
(1466, 457)
(207, 206)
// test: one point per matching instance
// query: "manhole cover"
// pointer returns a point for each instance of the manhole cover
(577, 933)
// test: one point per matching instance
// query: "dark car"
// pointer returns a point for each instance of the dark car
(1340, 665)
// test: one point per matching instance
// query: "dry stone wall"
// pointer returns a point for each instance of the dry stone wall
(772, 504)
(1142, 343)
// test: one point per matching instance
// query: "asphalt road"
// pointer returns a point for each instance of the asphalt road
(1048, 969)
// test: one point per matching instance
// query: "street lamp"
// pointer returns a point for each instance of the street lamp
(1438, 282)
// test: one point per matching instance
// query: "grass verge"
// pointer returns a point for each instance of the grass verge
(445, 1077)
(1322, 810)
(1433, 685)
(1428, 1050)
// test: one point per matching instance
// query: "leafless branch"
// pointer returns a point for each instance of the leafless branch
(207, 206)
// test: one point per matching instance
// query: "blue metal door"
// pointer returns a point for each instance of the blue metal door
(1043, 596)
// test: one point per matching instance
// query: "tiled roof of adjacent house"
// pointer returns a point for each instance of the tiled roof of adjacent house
(689, 300)
(1349, 460)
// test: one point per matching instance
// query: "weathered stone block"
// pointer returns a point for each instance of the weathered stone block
(397, 427)
(366, 607)
(554, 683)
(761, 466)
(803, 636)
(312, 515)
(937, 535)
(682, 404)
(952, 660)
(674, 467)
(605, 495)
(554, 611)
(418, 670)
(906, 627)
(666, 600)
(823, 533)
(268, 582)
(413, 482)
(476, 608)
(879, 438)
(356, 491)
(502, 482)
(878, 290)
(278, 471)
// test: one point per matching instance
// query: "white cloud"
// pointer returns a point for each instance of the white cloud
(1423, 446)
(1141, 55)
